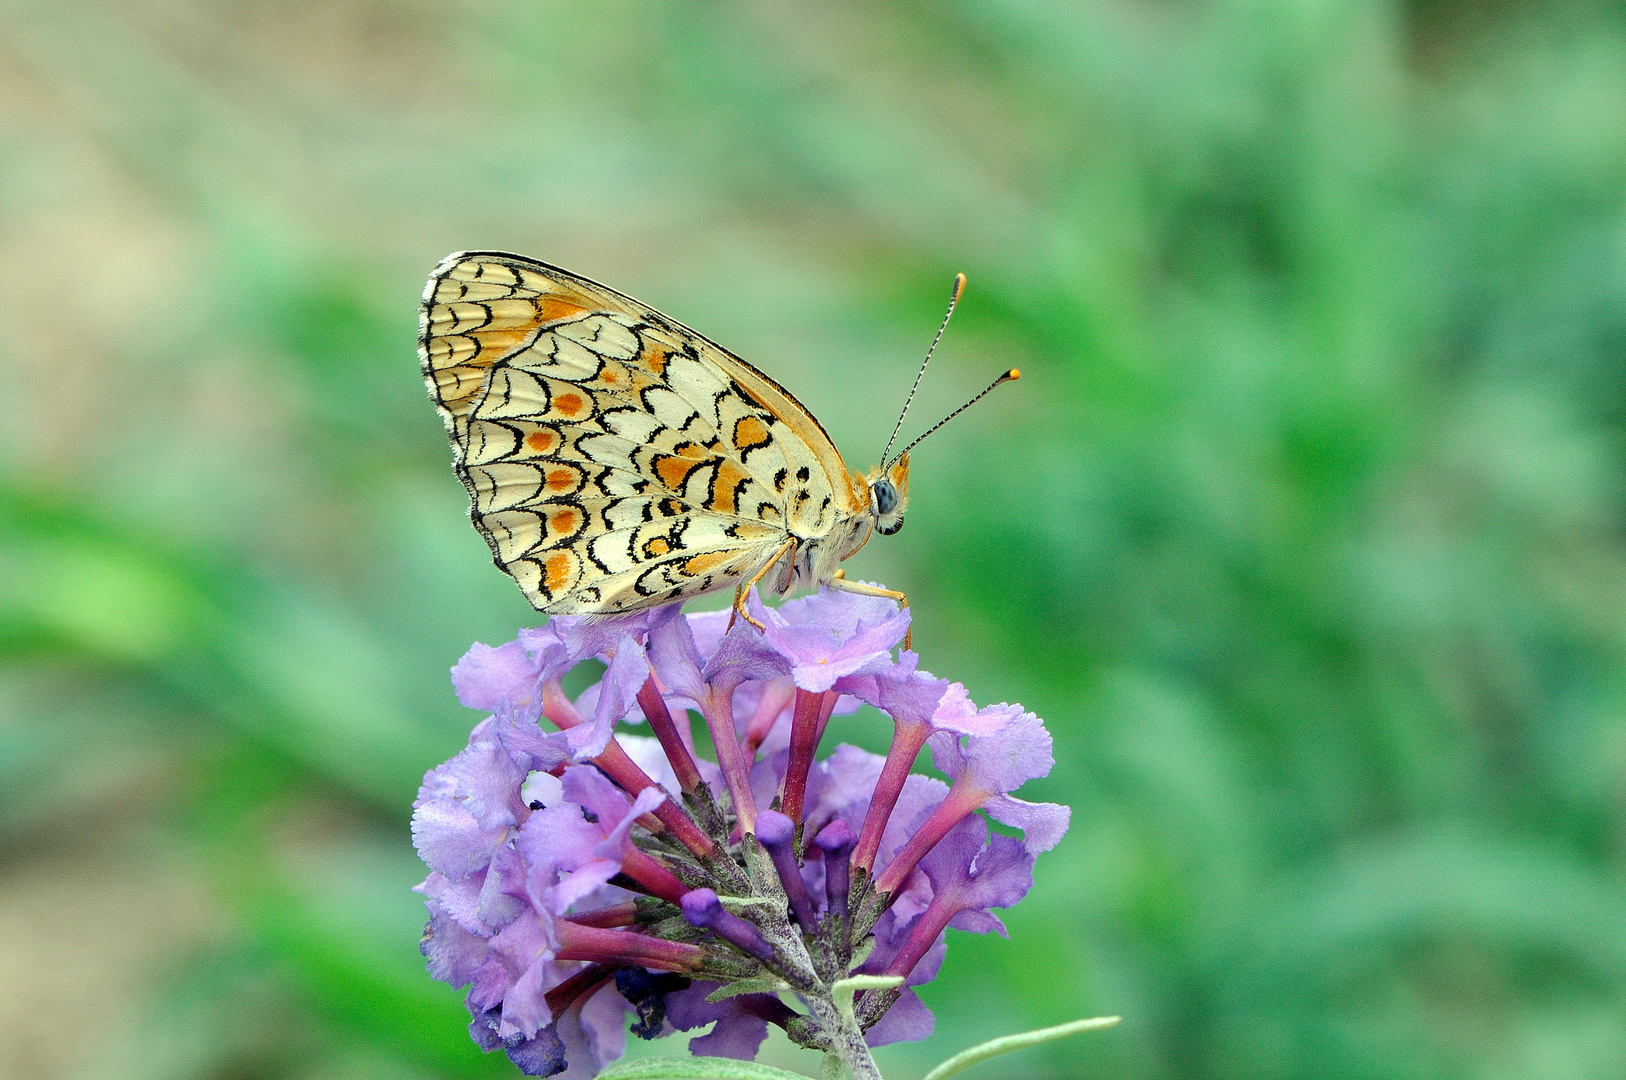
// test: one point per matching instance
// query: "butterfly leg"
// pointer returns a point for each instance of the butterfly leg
(841, 582)
(743, 589)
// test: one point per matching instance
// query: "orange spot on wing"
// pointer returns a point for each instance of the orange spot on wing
(553, 308)
(749, 433)
(673, 471)
(558, 571)
(723, 487)
(569, 404)
(704, 562)
(657, 547)
(563, 522)
(559, 479)
(540, 441)
(655, 359)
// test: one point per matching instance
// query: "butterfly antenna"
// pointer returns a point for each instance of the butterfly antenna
(1010, 376)
(954, 298)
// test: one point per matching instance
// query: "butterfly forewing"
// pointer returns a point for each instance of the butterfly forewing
(614, 458)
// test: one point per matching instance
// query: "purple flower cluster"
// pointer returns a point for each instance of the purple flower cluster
(581, 874)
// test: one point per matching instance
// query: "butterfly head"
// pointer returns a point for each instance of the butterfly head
(889, 495)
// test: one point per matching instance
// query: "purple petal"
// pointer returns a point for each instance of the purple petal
(554, 841)
(833, 634)
(542, 1056)
(488, 783)
(908, 697)
(865, 687)
(520, 735)
(594, 1033)
(525, 1007)
(486, 676)
(675, 660)
(618, 697)
(1042, 824)
(708, 628)
(453, 953)
(843, 612)
(450, 840)
(767, 776)
(502, 894)
(1003, 761)
(979, 871)
(525, 939)
(908, 1020)
(979, 921)
(459, 899)
(737, 1036)
(841, 784)
(580, 637)
(960, 716)
(483, 1030)
(741, 656)
(596, 872)
(587, 786)
(919, 797)
(738, 1033)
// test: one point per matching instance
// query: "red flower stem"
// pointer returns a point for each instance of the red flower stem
(625, 772)
(578, 942)
(776, 694)
(804, 743)
(582, 984)
(615, 915)
(651, 873)
(825, 709)
(718, 709)
(944, 906)
(962, 800)
(661, 723)
(907, 739)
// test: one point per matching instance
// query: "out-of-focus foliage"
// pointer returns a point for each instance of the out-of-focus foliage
(1305, 529)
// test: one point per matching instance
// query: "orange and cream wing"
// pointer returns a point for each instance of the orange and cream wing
(614, 458)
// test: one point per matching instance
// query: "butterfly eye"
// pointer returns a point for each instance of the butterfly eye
(888, 515)
(886, 497)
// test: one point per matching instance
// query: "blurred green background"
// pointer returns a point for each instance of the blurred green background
(1305, 529)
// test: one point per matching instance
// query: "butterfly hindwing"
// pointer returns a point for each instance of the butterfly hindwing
(614, 459)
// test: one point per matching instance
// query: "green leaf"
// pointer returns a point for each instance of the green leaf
(994, 1047)
(765, 985)
(833, 1069)
(696, 1068)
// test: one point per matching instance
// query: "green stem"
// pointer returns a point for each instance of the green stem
(994, 1047)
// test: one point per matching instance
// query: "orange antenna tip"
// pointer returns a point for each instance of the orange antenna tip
(954, 298)
(1009, 376)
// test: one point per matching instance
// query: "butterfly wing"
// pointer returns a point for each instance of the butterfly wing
(614, 458)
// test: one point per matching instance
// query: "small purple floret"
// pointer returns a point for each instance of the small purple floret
(836, 841)
(702, 908)
(777, 833)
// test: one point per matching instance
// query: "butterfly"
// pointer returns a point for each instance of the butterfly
(616, 460)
